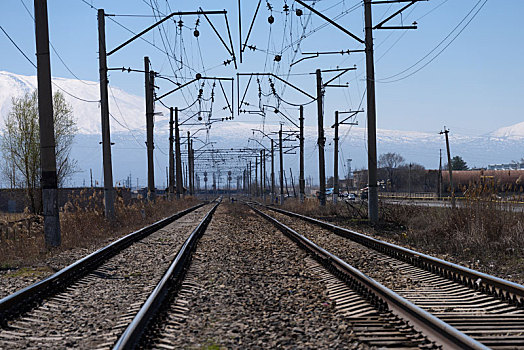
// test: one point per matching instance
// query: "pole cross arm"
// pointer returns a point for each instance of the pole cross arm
(253, 139)
(341, 52)
(231, 50)
(304, 58)
(351, 115)
(381, 24)
(184, 13)
(329, 20)
(198, 77)
(177, 88)
(282, 80)
(342, 72)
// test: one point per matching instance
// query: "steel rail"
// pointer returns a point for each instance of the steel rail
(131, 337)
(24, 299)
(508, 291)
(385, 299)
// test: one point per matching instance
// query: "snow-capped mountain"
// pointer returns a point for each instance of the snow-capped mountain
(128, 134)
(127, 110)
(515, 131)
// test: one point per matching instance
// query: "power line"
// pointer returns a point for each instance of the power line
(34, 65)
(54, 49)
(382, 80)
(18, 48)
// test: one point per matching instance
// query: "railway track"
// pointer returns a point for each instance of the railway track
(482, 307)
(365, 324)
(246, 285)
(91, 302)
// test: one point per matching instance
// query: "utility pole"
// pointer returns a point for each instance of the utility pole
(301, 180)
(285, 180)
(189, 170)
(349, 174)
(149, 84)
(371, 117)
(409, 180)
(205, 182)
(229, 183)
(249, 180)
(261, 173)
(49, 180)
(453, 204)
(91, 176)
(171, 180)
(193, 168)
(186, 177)
(272, 171)
(281, 166)
(321, 140)
(256, 176)
(292, 183)
(264, 174)
(244, 181)
(104, 110)
(370, 89)
(439, 183)
(335, 161)
(178, 159)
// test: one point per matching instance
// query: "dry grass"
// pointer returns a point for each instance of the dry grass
(482, 233)
(471, 230)
(82, 224)
(347, 211)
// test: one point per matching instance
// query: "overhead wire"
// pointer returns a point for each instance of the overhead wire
(56, 51)
(482, 3)
(34, 65)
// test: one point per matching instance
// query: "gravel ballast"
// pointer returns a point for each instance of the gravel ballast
(250, 288)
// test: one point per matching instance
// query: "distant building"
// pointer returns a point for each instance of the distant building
(509, 166)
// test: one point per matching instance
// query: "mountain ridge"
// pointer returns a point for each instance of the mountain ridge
(128, 133)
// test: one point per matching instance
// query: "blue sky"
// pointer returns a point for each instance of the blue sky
(473, 87)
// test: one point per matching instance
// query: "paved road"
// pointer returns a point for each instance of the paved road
(515, 207)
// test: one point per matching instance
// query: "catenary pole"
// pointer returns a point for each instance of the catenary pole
(371, 117)
(104, 110)
(149, 86)
(264, 174)
(193, 190)
(335, 161)
(49, 180)
(321, 140)
(272, 171)
(189, 170)
(256, 176)
(178, 158)
(261, 173)
(249, 180)
(171, 155)
(301, 180)
(281, 165)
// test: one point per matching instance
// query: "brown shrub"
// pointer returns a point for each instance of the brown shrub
(82, 225)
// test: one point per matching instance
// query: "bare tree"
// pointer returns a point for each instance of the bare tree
(20, 145)
(390, 162)
(65, 131)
